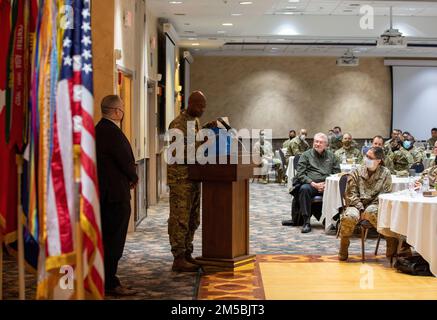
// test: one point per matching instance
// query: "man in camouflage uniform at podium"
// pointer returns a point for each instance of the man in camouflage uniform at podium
(184, 194)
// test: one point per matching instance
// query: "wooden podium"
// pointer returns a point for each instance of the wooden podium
(225, 213)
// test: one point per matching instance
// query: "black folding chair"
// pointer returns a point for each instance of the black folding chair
(342, 185)
(296, 162)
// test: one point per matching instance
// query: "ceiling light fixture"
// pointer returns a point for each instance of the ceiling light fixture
(236, 14)
(175, 2)
(293, 1)
(227, 24)
(246, 2)
(195, 44)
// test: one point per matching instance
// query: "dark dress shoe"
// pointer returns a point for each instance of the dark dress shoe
(287, 223)
(306, 228)
(291, 223)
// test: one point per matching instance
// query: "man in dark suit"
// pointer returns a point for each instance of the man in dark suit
(117, 176)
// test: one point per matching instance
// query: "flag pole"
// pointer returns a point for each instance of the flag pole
(21, 283)
(80, 293)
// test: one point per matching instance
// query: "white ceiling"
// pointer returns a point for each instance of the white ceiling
(317, 22)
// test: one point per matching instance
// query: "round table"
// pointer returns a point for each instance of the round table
(413, 216)
(332, 198)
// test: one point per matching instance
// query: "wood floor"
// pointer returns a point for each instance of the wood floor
(282, 277)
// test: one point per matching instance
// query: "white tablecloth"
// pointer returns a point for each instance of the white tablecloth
(290, 173)
(332, 199)
(413, 217)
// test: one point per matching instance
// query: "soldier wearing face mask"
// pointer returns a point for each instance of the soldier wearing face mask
(335, 142)
(399, 160)
(362, 191)
(348, 151)
(418, 154)
(298, 145)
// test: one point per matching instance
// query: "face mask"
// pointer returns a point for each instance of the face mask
(303, 137)
(370, 164)
(407, 144)
(347, 144)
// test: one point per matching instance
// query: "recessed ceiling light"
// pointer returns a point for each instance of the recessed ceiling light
(175, 2)
(221, 31)
(286, 13)
(293, 1)
(275, 48)
(245, 2)
(236, 14)
(290, 7)
(195, 44)
(227, 24)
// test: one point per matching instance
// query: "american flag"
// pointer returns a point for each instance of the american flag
(73, 129)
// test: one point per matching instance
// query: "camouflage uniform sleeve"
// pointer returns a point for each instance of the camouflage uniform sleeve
(352, 194)
(432, 175)
(359, 156)
(294, 148)
(386, 186)
(337, 154)
(410, 159)
(289, 152)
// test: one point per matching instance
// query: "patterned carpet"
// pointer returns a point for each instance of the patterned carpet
(147, 260)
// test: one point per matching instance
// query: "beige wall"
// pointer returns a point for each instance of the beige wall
(125, 35)
(293, 92)
(103, 51)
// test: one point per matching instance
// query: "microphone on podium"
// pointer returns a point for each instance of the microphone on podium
(232, 132)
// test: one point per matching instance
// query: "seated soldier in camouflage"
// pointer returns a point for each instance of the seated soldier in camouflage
(348, 150)
(364, 186)
(335, 142)
(399, 160)
(418, 154)
(430, 172)
(298, 145)
(431, 141)
(291, 136)
(396, 133)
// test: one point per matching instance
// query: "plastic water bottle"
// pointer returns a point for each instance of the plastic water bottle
(411, 184)
(425, 184)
